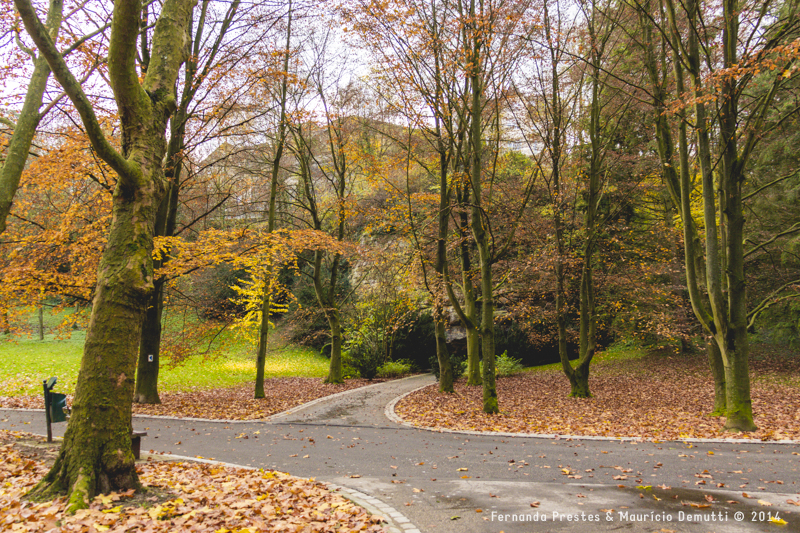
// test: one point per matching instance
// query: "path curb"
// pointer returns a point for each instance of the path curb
(397, 521)
(390, 413)
(252, 420)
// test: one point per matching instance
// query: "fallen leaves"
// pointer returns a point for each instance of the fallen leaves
(680, 393)
(197, 497)
(235, 403)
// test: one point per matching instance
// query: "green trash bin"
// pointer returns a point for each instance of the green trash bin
(58, 402)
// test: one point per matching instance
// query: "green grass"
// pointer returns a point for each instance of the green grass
(620, 351)
(25, 363)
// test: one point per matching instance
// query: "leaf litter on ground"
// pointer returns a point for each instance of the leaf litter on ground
(181, 496)
(233, 403)
(657, 397)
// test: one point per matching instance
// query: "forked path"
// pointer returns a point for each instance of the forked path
(486, 483)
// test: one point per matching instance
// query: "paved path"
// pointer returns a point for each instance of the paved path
(440, 480)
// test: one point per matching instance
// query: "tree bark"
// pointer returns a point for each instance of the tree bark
(25, 128)
(96, 453)
(146, 390)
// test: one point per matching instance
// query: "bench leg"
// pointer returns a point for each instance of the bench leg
(136, 445)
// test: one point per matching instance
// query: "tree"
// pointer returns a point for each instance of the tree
(23, 130)
(728, 79)
(270, 280)
(195, 74)
(96, 453)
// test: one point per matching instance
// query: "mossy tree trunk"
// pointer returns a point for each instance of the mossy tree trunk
(96, 452)
(470, 298)
(679, 188)
(723, 217)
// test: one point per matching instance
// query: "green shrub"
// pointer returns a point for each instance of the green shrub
(348, 370)
(505, 365)
(393, 369)
(366, 359)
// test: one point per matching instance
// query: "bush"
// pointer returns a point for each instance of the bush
(348, 370)
(394, 369)
(505, 365)
(457, 361)
(366, 359)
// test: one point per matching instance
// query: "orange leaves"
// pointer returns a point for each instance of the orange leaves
(187, 497)
(655, 397)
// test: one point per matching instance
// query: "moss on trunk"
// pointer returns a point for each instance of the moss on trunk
(96, 455)
(473, 357)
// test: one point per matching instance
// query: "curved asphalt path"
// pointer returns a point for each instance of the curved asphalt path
(440, 480)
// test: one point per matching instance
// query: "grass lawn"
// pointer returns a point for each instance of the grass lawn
(26, 362)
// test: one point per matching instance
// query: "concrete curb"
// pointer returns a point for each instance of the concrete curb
(397, 522)
(394, 417)
(253, 420)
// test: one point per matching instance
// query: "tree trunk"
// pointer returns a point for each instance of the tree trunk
(679, 186)
(263, 336)
(470, 304)
(442, 353)
(41, 322)
(146, 390)
(490, 404)
(266, 308)
(718, 373)
(335, 372)
(579, 382)
(473, 355)
(96, 455)
(25, 129)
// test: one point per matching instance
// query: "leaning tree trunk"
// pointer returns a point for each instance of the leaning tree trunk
(25, 129)
(96, 454)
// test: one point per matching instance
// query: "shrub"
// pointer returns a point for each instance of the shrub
(366, 359)
(348, 370)
(505, 365)
(393, 369)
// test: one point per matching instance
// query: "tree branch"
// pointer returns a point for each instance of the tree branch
(61, 72)
(794, 229)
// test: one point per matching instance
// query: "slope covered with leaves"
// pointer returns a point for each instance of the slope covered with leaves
(234, 403)
(180, 497)
(657, 397)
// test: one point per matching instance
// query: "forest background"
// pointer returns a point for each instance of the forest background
(437, 181)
